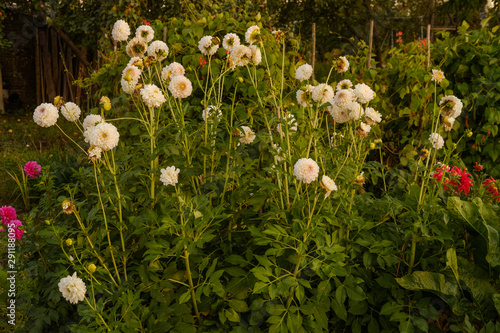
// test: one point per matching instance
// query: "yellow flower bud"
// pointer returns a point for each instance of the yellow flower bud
(92, 268)
(240, 79)
(47, 222)
(69, 242)
(372, 145)
(378, 141)
(127, 78)
(469, 134)
(107, 106)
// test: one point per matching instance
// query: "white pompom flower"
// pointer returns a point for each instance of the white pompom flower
(241, 55)
(256, 55)
(145, 33)
(208, 46)
(152, 96)
(450, 106)
(436, 140)
(328, 184)
(252, 34)
(45, 115)
(170, 175)
(247, 136)
(128, 86)
(131, 73)
(322, 93)
(304, 96)
(136, 47)
(230, 41)
(339, 114)
(372, 117)
(354, 110)
(304, 72)
(174, 69)
(344, 97)
(158, 49)
(104, 136)
(72, 288)
(180, 86)
(306, 170)
(364, 93)
(71, 111)
(344, 84)
(121, 31)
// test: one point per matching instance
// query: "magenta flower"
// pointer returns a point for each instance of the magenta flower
(7, 214)
(32, 169)
(15, 224)
(19, 233)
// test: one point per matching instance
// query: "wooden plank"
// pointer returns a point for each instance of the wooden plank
(370, 45)
(313, 60)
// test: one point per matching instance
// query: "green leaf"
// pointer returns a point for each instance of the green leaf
(451, 261)
(232, 315)
(238, 305)
(428, 281)
(261, 273)
(185, 297)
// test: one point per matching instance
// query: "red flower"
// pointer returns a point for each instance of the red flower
(474, 145)
(460, 180)
(145, 22)
(400, 33)
(478, 167)
(483, 138)
(489, 132)
(492, 188)
(203, 62)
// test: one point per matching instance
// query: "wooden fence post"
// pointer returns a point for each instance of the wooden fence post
(370, 45)
(428, 46)
(313, 60)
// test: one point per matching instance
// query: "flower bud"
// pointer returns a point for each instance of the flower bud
(69, 242)
(240, 79)
(107, 106)
(127, 78)
(92, 268)
(47, 222)
(58, 102)
(469, 134)
(67, 207)
(372, 145)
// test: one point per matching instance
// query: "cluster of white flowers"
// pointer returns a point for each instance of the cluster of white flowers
(211, 112)
(152, 96)
(170, 175)
(208, 46)
(71, 111)
(45, 115)
(306, 170)
(174, 69)
(292, 124)
(72, 288)
(158, 49)
(180, 86)
(304, 72)
(436, 140)
(120, 31)
(247, 136)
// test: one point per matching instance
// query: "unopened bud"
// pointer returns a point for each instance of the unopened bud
(69, 242)
(92, 268)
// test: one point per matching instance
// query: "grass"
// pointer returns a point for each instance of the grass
(21, 140)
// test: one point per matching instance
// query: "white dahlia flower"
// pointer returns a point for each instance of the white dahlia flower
(354, 110)
(128, 86)
(328, 184)
(365, 127)
(436, 140)
(136, 47)
(342, 65)
(304, 96)
(170, 176)
(372, 117)
(304, 72)
(256, 55)
(437, 75)
(207, 45)
(306, 170)
(339, 114)
(136, 61)
(45, 115)
(252, 34)
(104, 136)
(322, 93)
(71, 111)
(121, 31)
(91, 120)
(94, 153)
(145, 33)
(450, 106)
(241, 55)
(158, 49)
(344, 84)
(448, 123)
(72, 288)
(230, 41)
(131, 73)
(152, 96)
(172, 70)
(363, 93)
(180, 86)
(344, 97)
(248, 136)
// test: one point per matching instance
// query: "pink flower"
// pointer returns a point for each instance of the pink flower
(32, 169)
(15, 224)
(19, 233)
(7, 213)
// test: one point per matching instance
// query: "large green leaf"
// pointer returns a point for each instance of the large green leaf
(430, 281)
